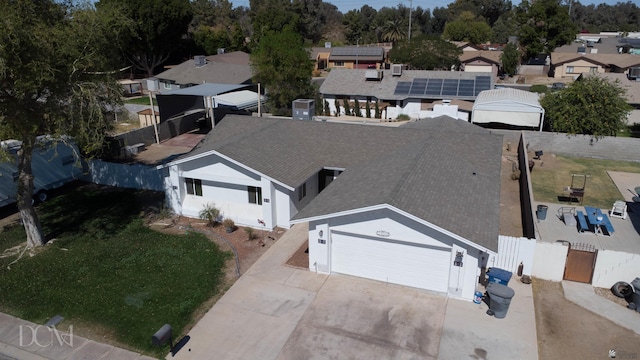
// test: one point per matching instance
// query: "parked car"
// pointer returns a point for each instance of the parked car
(557, 86)
(54, 164)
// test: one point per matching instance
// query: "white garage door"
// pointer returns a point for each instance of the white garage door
(394, 262)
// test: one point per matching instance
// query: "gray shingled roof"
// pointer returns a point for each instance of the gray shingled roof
(445, 174)
(228, 68)
(353, 82)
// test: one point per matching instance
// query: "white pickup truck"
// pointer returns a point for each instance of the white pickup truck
(54, 164)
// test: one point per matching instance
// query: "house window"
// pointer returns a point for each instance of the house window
(194, 186)
(593, 70)
(302, 191)
(255, 195)
(338, 63)
(569, 69)
(167, 85)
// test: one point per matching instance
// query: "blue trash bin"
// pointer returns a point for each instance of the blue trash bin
(499, 276)
(541, 213)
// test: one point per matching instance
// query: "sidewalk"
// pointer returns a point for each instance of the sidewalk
(24, 340)
(584, 296)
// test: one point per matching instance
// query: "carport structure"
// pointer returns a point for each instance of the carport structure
(517, 108)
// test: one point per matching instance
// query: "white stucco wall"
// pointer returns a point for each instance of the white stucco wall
(549, 261)
(462, 281)
(613, 266)
(224, 185)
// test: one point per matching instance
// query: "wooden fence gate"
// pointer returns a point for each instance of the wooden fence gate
(581, 260)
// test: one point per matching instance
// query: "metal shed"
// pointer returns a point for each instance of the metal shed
(508, 106)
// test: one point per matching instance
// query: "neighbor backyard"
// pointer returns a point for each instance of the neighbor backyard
(551, 176)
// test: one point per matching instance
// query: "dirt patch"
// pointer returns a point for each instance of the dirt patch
(568, 331)
(607, 294)
(300, 258)
(510, 211)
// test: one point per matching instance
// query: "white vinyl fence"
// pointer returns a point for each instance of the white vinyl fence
(515, 250)
(613, 266)
(549, 260)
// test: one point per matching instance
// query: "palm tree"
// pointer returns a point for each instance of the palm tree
(393, 31)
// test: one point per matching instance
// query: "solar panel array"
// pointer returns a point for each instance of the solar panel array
(443, 87)
(361, 51)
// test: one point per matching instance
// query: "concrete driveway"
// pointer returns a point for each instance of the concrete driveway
(278, 312)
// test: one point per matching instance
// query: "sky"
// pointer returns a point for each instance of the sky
(345, 5)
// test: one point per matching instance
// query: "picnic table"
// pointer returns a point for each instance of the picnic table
(598, 220)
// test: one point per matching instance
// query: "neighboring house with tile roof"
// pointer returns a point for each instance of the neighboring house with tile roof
(228, 68)
(481, 61)
(572, 65)
(633, 93)
(401, 92)
(416, 205)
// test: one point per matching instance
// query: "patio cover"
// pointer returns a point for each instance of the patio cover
(241, 100)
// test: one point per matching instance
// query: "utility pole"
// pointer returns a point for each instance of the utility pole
(357, 45)
(410, 9)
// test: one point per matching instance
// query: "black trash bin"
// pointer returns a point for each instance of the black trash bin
(542, 212)
(499, 299)
(636, 293)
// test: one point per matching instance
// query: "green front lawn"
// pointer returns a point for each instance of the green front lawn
(106, 270)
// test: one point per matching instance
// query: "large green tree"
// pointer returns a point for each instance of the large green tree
(159, 27)
(282, 65)
(488, 10)
(271, 16)
(55, 79)
(590, 106)
(426, 52)
(544, 26)
(467, 27)
(510, 58)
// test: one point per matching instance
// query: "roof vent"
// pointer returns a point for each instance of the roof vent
(200, 60)
(373, 75)
(396, 69)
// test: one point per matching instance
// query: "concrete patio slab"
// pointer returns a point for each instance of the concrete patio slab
(626, 183)
(469, 333)
(626, 236)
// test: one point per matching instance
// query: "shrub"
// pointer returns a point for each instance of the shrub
(210, 214)
(250, 233)
(539, 88)
(403, 117)
(228, 223)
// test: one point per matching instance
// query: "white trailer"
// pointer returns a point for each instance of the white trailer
(54, 164)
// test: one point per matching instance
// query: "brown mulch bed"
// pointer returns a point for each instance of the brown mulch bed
(300, 258)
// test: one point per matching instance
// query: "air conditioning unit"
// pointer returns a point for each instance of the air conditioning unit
(373, 75)
(396, 69)
(303, 109)
(200, 60)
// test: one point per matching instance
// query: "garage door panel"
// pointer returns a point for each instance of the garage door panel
(393, 262)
